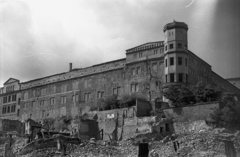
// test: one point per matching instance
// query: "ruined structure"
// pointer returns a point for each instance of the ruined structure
(146, 69)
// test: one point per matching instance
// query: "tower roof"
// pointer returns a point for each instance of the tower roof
(175, 24)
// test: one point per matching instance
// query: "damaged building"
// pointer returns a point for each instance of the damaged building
(146, 69)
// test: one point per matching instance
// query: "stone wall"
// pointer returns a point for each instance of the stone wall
(197, 111)
(7, 125)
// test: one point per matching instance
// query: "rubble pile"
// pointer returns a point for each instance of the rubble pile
(201, 143)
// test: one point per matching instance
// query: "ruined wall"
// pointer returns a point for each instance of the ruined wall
(198, 111)
(10, 125)
(143, 108)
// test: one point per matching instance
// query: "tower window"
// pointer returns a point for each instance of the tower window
(180, 77)
(166, 62)
(179, 60)
(171, 77)
(171, 46)
(179, 45)
(171, 61)
(166, 48)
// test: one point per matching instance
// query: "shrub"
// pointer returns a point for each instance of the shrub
(228, 116)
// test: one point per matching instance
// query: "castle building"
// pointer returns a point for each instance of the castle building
(146, 69)
(10, 98)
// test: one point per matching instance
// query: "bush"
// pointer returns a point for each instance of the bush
(182, 95)
(228, 116)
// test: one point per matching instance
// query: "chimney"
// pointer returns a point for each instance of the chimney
(70, 66)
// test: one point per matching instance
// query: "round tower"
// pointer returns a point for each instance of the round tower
(176, 53)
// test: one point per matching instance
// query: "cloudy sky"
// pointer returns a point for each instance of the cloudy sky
(41, 37)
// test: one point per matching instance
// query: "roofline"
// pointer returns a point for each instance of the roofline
(73, 70)
(122, 59)
(227, 81)
(234, 78)
(144, 44)
(199, 58)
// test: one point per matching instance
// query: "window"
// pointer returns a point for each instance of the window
(33, 104)
(5, 99)
(4, 109)
(166, 48)
(33, 93)
(87, 96)
(63, 99)
(64, 88)
(166, 62)
(43, 113)
(179, 60)
(14, 97)
(8, 109)
(138, 70)
(43, 91)
(133, 71)
(76, 97)
(171, 46)
(186, 61)
(179, 45)
(100, 94)
(42, 102)
(52, 101)
(185, 46)
(155, 51)
(180, 77)
(140, 54)
(9, 98)
(172, 77)
(116, 90)
(156, 83)
(134, 87)
(166, 78)
(13, 108)
(171, 61)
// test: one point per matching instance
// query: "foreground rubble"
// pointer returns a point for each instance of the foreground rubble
(199, 144)
(202, 143)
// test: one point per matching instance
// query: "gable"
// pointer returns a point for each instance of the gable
(146, 46)
(11, 80)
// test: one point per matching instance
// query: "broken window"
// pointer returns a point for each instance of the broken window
(167, 127)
